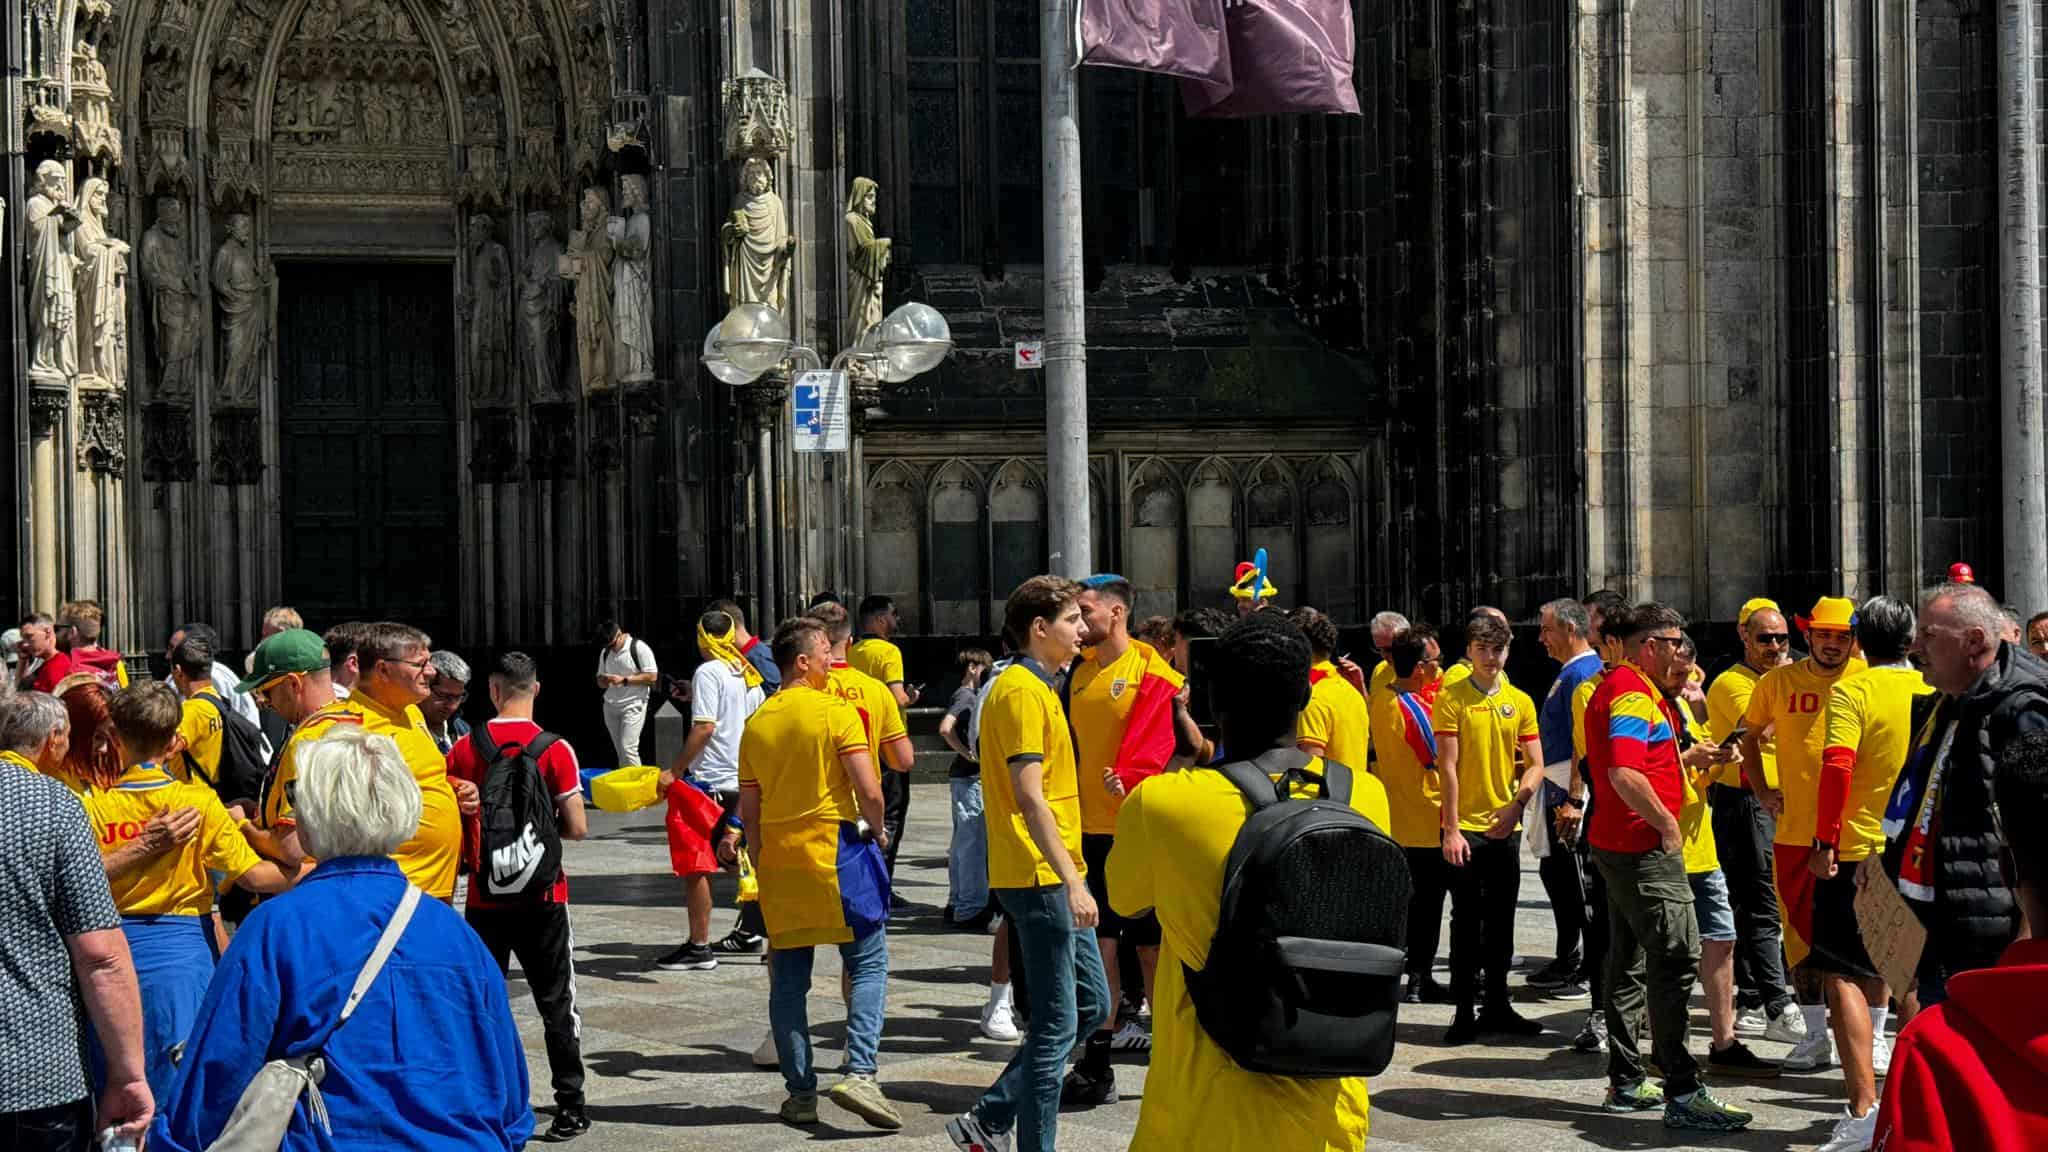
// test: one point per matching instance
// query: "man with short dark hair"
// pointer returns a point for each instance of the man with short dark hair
(2037, 634)
(1565, 632)
(200, 729)
(1407, 767)
(42, 665)
(877, 655)
(394, 660)
(625, 671)
(536, 930)
(343, 666)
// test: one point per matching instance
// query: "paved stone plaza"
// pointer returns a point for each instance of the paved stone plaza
(668, 1053)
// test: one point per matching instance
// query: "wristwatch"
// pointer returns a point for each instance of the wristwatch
(1574, 801)
(1820, 845)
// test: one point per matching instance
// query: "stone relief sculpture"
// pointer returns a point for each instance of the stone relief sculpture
(632, 289)
(242, 290)
(757, 241)
(52, 275)
(173, 303)
(486, 306)
(867, 260)
(102, 293)
(589, 265)
(540, 310)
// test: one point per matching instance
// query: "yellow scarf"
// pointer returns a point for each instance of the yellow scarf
(722, 649)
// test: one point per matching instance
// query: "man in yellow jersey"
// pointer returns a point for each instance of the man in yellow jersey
(393, 660)
(201, 723)
(880, 717)
(1121, 697)
(806, 784)
(1032, 804)
(1743, 832)
(1173, 838)
(1869, 733)
(1481, 723)
(1458, 671)
(1406, 765)
(1335, 724)
(1384, 627)
(877, 655)
(167, 903)
(290, 674)
(1790, 701)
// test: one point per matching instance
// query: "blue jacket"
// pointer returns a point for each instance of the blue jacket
(431, 1059)
(1554, 718)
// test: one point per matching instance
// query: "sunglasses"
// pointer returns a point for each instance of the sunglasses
(1774, 638)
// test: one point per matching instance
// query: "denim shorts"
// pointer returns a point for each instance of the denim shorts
(1710, 905)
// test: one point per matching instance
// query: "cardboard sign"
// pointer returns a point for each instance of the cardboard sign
(1892, 933)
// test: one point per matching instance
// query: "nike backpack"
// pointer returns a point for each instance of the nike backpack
(1304, 973)
(244, 756)
(520, 843)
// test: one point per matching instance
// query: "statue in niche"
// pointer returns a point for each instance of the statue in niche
(867, 260)
(381, 112)
(426, 113)
(589, 264)
(632, 290)
(485, 308)
(758, 244)
(322, 20)
(102, 292)
(540, 310)
(52, 274)
(173, 304)
(243, 291)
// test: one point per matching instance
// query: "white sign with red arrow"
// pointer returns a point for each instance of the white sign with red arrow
(1030, 355)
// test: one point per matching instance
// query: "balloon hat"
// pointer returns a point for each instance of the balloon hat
(1250, 576)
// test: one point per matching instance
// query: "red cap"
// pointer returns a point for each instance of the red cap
(1960, 573)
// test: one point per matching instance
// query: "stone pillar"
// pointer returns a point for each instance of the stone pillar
(48, 408)
(764, 401)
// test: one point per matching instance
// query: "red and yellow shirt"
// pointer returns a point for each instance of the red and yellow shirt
(1869, 734)
(880, 719)
(1123, 720)
(1794, 699)
(791, 752)
(1629, 724)
(176, 883)
(1406, 747)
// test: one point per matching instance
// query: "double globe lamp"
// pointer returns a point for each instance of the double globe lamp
(754, 338)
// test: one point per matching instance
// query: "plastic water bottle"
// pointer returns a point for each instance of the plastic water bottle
(112, 1140)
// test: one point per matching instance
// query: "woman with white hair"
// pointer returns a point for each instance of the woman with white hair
(429, 1060)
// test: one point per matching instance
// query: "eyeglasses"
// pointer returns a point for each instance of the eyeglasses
(1674, 641)
(418, 665)
(1774, 638)
(452, 697)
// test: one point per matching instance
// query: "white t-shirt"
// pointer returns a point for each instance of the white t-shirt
(634, 657)
(720, 696)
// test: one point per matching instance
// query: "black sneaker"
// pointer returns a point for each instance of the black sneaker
(1464, 1028)
(689, 958)
(1738, 1061)
(1556, 974)
(1502, 1020)
(569, 1124)
(897, 903)
(1431, 989)
(1081, 1090)
(739, 942)
(1413, 994)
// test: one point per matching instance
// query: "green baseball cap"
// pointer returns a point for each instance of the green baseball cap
(292, 650)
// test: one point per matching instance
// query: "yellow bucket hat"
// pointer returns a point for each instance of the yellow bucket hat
(1838, 612)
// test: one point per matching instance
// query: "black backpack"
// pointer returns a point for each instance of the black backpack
(244, 756)
(1304, 973)
(521, 844)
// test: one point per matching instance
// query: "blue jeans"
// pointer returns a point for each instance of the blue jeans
(789, 986)
(967, 859)
(1069, 998)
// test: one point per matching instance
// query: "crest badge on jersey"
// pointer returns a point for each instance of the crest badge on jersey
(1117, 686)
(1507, 711)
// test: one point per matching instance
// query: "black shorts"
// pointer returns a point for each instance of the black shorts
(1142, 930)
(1837, 944)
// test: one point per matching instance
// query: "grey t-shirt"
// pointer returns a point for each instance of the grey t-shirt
(52, 885)
(962, 711)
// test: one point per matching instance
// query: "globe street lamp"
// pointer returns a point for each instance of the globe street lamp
(754, 338)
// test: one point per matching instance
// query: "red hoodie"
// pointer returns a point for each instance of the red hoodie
(102, 662)
(1971, 1075)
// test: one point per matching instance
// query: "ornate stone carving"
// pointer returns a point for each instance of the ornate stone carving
(173, 301)
(643, 413)
(52, 281)
(483, 180)
(588, 264)
(591, 67)
(486, 305)
(607, 448)
(102, 434)
(482, 111)
(540, 311)
(554, 441)
(628, 130)
(540, 177)
(241, 287)
(237, 448)
(247, 33)
(358, 112)
(472, 65)
(167, 455)
(167, 169)
(632, 239)
(494, 448)
(102, 293)
(170, 30)
(756, 116)
(92, 130)
(867, 260)
(231, 166)
(163, 94)
(757, 241)
(46, 407)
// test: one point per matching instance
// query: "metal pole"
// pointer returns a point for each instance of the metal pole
(2024, 471)
(1066, 320)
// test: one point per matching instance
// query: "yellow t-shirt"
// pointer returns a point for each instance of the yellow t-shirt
(1727, 701)
(881, 659)
(277, 788)
(1695, 819)
(1382, 677)
(201, 727)
(1336, 718)
(430, 857)
(1171, 843)
(1581, 696)
(1022, 719)
(1099, 703)
(1871, 714)
(1490, 728)
(1414, 794)
(790, 751)
(175, 883)
(881, 721)
(1793, 698)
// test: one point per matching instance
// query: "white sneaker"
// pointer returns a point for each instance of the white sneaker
(1132, 1037)
(765, 1056)
(1881, 1054)
(1787, 1027)
(1811, 1054)
(998, 1023)
(1852, 1133)
(1751, 1022)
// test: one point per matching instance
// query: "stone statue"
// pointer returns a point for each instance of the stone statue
(243, 292)
(540, 310)
(867, 260)
(52, 275)
(173, 303)
(632, 290)
(102, 292)
(589, 264)
(758, 244)
(486, 307)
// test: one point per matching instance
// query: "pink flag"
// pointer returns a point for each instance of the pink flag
(1181, 38)
(1284, 56)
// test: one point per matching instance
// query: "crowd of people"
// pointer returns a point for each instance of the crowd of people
(211, 875)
